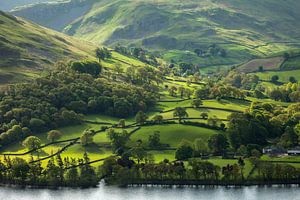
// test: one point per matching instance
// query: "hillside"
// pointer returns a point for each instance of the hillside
(241, 29)
(26, 48)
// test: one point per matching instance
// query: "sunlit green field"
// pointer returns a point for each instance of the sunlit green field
(173, 134)
(195, 113)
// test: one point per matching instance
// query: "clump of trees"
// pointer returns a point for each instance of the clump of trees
(180, 113)
(123, 171)
(212, 50)
(289, 92)
(103, 53)
(262, 122)
(89, 67)
(138, 53)
(57, 173)
(154, 140)
(219, 91)
(240, 80)
(118, 140)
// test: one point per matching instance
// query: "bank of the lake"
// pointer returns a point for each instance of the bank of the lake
(154, 193)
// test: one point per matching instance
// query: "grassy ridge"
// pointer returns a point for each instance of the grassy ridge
(27, 48)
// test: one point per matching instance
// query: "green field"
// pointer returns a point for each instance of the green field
(283, 75)
(173, 134)
(195, 113)
(291, 64)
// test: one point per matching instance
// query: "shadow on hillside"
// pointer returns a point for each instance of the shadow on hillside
(93, 148)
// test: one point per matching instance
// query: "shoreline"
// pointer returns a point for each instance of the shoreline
(158, 185)
(167, 183)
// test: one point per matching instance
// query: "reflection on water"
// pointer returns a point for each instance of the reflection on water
(155, 193)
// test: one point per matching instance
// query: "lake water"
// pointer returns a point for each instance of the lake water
(153, 193)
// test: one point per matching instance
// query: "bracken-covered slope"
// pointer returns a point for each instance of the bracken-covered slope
(245, 29)
(26, 48)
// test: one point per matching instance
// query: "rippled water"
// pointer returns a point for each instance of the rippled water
(155, 193)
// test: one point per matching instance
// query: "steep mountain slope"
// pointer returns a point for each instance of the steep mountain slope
(244, 29)
(26, 48)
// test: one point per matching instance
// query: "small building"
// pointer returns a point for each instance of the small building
(294, 152)
(274, 151)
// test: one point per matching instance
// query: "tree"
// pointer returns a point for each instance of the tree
(54, 135)
(275, 79)
(202, 93)
(292, 79)
(154, 140)
(32, 142)
(297, 129)
(122, 123)
(88, 176)
(204, 115)
(286, 55)
(52, 173)
(102, 53)
(258, 94)
(172, 91)
(184, 152)
(218, 143)
(241, 163)
(180, 112)
(295, 96)
(200, 146)
(87, 138)
(196, 103)
(158, 119)
(118, 140)
(36, 124)
(139, 153)
(141, 118)
(289, 138)
(188, 93)
(181, 91)
(19, 169)
(87, 66)
(72, 175)
(118, 68)
(213, 121)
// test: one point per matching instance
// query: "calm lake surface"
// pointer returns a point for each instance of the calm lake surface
(156, 193)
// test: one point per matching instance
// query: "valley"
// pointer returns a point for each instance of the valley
(133, 93)
(176, 31)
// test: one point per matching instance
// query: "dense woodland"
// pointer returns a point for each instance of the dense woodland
(61, 97)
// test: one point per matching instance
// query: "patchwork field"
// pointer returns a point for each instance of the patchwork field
(266, 64)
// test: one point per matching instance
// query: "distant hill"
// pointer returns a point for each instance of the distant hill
(26, 48)
(7, 5)
(244, 29)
